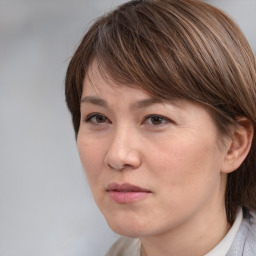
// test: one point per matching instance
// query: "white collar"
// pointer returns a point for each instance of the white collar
(222, 248)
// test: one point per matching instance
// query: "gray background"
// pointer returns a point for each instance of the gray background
(46, 208)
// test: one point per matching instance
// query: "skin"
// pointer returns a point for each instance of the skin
(177, 157)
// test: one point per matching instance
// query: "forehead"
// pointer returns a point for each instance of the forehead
(99, 89)
(98, 82)
(98, 86)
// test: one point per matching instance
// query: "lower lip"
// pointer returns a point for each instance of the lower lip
(127, 197)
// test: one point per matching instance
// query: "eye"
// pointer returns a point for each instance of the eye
(156, 120)
(96, 118)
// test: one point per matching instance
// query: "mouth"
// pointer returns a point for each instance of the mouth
(126, 193)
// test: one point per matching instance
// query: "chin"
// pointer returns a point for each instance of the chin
(128, 231)
(127, 227)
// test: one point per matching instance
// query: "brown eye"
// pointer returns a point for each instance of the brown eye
(100, 119)
(96, 119)
(156, 120)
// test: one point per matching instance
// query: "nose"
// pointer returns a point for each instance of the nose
(123, 152)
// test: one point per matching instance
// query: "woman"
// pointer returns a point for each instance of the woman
(162, 96)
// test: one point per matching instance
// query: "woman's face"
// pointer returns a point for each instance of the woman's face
(152, 166)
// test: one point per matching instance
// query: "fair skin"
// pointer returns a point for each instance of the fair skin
(172, 150)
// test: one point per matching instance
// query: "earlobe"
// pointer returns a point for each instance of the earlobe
(240, 145)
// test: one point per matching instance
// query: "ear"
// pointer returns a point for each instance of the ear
(239, 146)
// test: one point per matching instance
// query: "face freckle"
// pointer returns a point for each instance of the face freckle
(178, 162)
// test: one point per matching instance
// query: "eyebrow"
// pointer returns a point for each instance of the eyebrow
(95, 101)
(137, 105)
(145, 103)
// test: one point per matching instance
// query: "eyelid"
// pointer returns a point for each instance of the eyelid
(166, 119)
(92, 115)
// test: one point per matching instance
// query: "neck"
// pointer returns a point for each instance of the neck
(195, 238)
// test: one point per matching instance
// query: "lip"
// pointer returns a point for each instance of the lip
(126, 193)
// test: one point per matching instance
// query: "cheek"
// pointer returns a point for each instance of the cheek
(91, 156)
(186, 165)
(185, 177)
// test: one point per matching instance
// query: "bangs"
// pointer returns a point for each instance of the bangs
(141, 46)
(171, 53)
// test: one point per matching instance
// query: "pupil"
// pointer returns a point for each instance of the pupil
(100, 119)
(156, 120)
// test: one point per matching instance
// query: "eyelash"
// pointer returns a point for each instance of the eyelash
(163, 119)
(97, 115)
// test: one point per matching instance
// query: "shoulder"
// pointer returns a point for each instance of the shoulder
(125, 247)
(249, 232)
(245, 240)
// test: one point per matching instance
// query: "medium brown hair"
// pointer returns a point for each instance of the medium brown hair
(177, 49)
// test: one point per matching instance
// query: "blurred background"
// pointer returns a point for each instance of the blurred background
(46, 208)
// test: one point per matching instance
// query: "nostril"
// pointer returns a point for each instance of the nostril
(119, 167)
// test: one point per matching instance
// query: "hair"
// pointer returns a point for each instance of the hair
(177, 49)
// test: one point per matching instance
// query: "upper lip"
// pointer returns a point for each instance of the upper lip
(125, 187)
